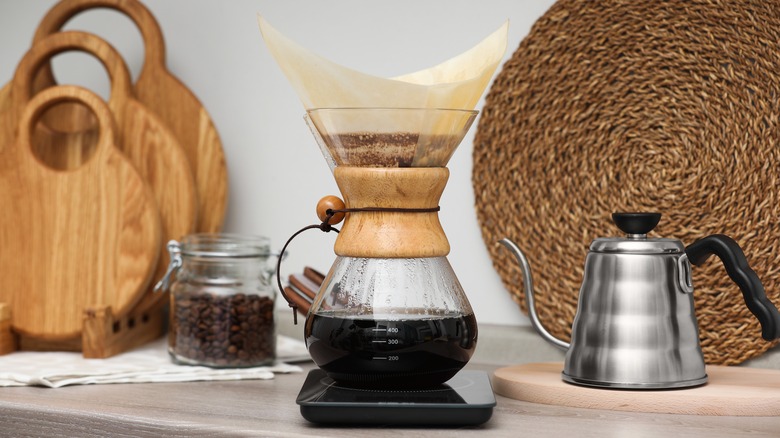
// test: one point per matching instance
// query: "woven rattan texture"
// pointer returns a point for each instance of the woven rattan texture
(668, 106)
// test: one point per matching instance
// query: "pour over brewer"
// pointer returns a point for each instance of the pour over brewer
(391, 311)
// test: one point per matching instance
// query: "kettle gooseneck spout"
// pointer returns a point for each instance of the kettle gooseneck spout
(528, 285)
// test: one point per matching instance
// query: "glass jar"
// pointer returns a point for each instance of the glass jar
(222, 301)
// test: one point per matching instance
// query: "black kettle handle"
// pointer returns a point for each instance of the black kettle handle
(740, 272)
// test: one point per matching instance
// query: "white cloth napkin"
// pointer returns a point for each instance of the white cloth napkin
(149, 363)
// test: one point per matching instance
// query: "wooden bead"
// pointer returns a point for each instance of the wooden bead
(330, 202)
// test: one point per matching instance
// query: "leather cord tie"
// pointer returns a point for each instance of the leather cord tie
(326, 227)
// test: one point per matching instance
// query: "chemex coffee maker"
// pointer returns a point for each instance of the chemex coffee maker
(635, 325)
(391, 311)
(390, 314)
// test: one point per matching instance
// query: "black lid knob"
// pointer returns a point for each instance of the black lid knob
(636, 223)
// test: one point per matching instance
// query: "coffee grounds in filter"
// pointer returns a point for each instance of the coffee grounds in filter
(401, 149)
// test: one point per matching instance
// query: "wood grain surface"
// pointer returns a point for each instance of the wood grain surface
(165, 95)
(267, 408)
(391, 234)
(73, 239)
(731, 391)
(146, 141)
(7, 338)
(106, 334)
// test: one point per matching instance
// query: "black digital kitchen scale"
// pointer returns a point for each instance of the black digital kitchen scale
(465, 400)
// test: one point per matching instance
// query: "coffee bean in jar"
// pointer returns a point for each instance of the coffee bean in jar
(224, 331)
(222, 302)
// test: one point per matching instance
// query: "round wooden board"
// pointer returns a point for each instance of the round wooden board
(74, 239)
(731, 391)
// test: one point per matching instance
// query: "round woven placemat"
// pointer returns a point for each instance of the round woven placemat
(668, 106)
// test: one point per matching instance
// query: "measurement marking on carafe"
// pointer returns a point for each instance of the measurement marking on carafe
(391, 358)
(380, 342)
(379, 329)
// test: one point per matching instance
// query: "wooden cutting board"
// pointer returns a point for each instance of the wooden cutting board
(159, 90)
(73, 239)
(146, 141)
(734, 391)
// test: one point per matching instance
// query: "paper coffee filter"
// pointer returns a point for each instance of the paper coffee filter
(433, 104)
(457, 83)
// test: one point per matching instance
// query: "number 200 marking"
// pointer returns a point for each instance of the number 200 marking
(392, 357)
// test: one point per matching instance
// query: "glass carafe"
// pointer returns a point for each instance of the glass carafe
(391, 321)
(391, 311)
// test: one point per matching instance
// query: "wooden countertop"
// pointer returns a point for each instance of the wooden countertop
(267, 408)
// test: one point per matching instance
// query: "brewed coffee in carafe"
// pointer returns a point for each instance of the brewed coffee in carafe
(393, 327)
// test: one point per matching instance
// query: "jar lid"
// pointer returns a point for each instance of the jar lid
(225, 245)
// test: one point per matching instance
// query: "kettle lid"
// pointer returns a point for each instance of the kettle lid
(636, 226)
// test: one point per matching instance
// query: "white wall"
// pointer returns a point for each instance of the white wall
(277, 174)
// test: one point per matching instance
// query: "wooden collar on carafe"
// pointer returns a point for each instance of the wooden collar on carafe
(391, 212)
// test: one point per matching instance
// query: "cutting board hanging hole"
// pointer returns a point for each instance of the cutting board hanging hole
(47, 142)
(117, 28)
(73, 68)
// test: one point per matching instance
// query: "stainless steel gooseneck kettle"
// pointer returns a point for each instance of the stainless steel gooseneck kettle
(635, 325)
